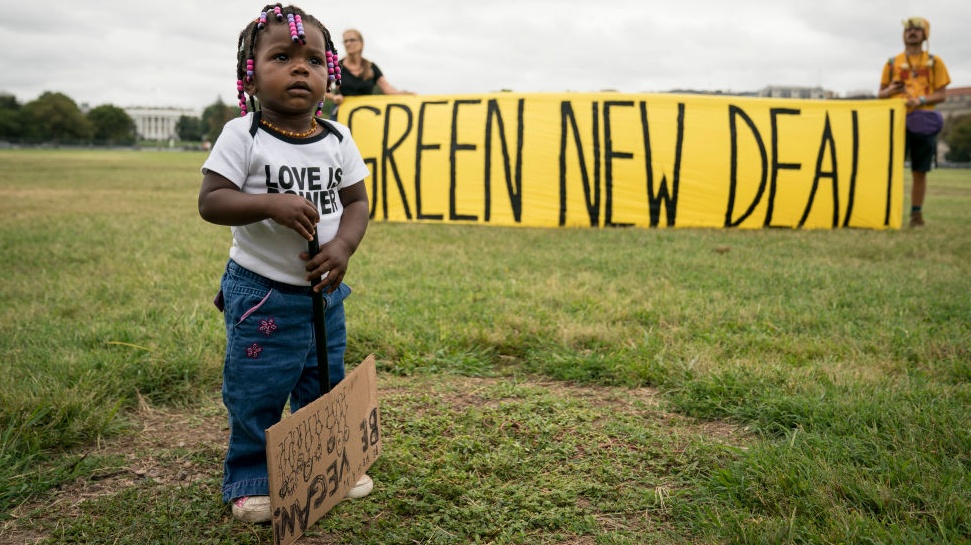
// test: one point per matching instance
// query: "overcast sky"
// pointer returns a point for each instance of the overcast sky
(181, 53)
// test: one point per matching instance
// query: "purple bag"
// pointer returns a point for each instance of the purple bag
(926, 122)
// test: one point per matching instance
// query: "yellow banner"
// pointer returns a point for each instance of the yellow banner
(645, 160)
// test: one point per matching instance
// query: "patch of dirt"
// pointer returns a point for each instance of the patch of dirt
(160, 447)
(172, 446)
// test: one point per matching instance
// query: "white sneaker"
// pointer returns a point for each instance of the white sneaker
(362, 488)
(253, 509)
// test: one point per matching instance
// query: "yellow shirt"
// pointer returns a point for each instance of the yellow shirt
(922, 75)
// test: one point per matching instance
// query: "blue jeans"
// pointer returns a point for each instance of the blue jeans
(271, 356)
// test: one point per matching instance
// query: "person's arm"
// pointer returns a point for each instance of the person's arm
(936, 97)
(389, 89)
(891, 89)
(889, 86)
(334, 256)
(221, 202)
(334, 97)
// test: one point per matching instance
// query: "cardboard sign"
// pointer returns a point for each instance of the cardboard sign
(316, 455)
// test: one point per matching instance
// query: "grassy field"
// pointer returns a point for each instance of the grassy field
(574, 386)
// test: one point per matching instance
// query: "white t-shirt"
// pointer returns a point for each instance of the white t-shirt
(260, 161)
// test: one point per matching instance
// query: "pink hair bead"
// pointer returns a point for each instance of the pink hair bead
(293, 28)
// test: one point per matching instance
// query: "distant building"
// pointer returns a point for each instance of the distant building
(958, 102)
(860, 94)
(783, 91)
(717, 92)
(157, 123)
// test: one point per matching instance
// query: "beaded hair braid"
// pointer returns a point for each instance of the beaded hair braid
(294, 17)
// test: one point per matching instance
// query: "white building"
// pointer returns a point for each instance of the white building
(157, 123)
(783, 91)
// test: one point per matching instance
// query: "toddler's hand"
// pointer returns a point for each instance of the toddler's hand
(329, 265)
(295, 212)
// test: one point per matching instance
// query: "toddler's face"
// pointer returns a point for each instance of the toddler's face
(289, 78)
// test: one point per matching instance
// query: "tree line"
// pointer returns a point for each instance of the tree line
(55, 118)
(957, 136)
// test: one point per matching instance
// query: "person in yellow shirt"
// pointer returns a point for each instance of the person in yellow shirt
(921, 79)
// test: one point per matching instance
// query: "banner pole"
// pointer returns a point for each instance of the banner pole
(320, 326)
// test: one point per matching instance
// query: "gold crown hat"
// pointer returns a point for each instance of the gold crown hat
(925, 25)
(918, 22)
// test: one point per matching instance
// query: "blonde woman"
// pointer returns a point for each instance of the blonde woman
(359, 76)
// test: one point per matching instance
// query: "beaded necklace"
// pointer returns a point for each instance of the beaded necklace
(914, 65)
(291, 134)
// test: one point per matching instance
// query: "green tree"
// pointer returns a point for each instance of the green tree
(11, 125)
(957, 136)
(190, 128)
(215, 116)
(55, 117)
(112, 125)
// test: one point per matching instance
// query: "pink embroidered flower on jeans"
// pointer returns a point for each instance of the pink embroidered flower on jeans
(253, 351)
(267, 326)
